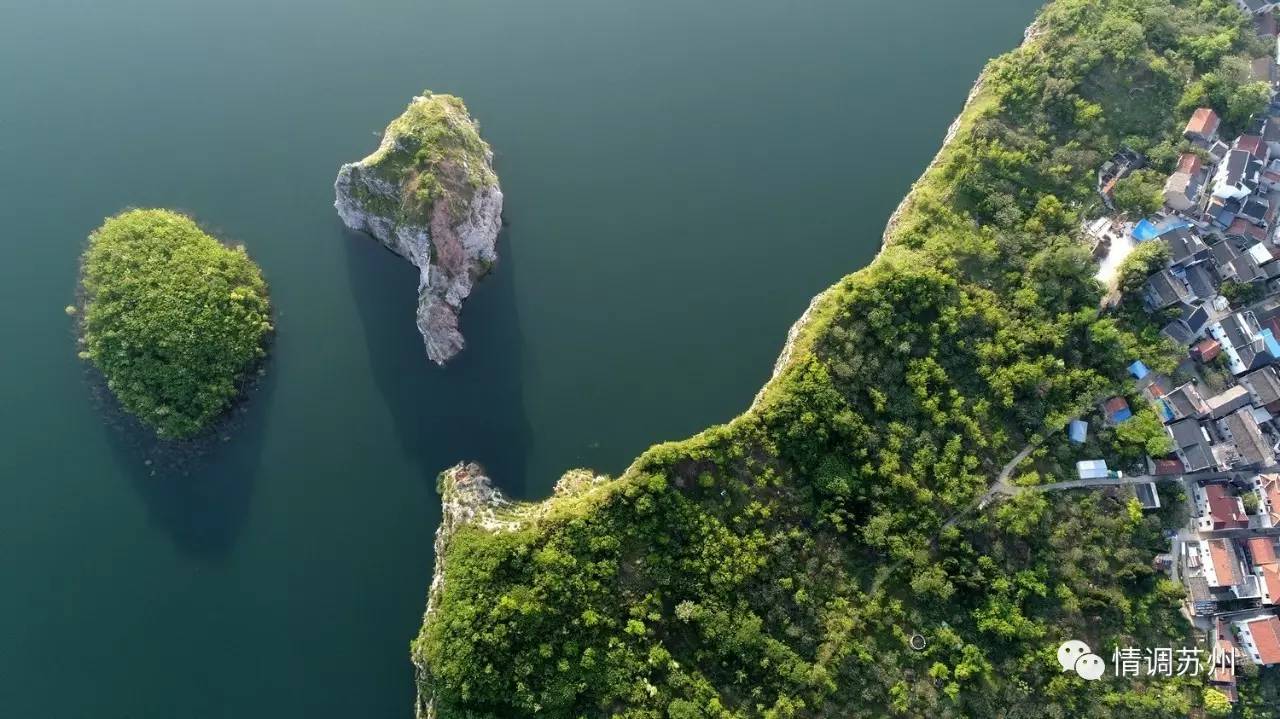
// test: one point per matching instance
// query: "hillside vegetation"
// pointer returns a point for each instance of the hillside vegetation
(172, 318)
(432, 152)
(777, 566)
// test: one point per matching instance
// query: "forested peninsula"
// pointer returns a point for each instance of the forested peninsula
(175, 321)
(824, 554)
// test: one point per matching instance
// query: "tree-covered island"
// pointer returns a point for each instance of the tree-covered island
(175, 320)
(828, 552)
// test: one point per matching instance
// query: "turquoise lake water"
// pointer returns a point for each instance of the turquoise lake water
(681, 177)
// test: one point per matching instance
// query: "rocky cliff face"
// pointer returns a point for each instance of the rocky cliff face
(467, 496)
(429, 194)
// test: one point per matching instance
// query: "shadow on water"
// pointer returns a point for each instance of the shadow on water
(198, 492)
(473, 408)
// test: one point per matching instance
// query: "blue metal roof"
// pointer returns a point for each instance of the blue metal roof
(1078, 431)
(1138, 369)
(1144, 231)
(1148, 230)
(1272, 346)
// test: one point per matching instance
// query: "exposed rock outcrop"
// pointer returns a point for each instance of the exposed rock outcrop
(429, 194)
(467, 496)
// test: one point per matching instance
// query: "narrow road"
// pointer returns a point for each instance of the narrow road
(1135, 479)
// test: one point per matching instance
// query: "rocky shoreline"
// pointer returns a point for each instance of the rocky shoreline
(467, 496)
(794, 332)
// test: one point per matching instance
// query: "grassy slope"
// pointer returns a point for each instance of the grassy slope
(777, 565)
(435, 152)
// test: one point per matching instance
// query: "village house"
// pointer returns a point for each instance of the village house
(1267, 489)
(1222, 675)
(1244, 445)
(1184, 401)
(1185, 247)
(1117, 168)
(1260, 639)
(1256, 7)
(1202, 128)
(1078, 431)
(1182, 189)
(1265, 25)
(1218, 509)
(1262, 558)
(1192, 324)
(1092, 469)
(1192, 444)
(1244, 228)
(1264, 388)
(1232, 264)
(1242, 342)
(1202, 281)
(1164, 289)
(1271, 134)
(1225, 571)
(1117, 410)
(1206, 350)
(1147, 494)
(1227, 401)
(1255, 145)
(1263, 69)
(1218, 151)
(1238, 177)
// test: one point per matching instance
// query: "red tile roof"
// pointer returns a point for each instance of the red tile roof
(1244, 228)
(1251, 144)
(1271, 578)
(1266, 637)
(1224, 508)
(1115, 404)
(1262, 550)
(1271, 490)
(1203, 122)
(1206, 350)
(1169, 466)
(1189, 163)
(1224, 669)
(1224, 563)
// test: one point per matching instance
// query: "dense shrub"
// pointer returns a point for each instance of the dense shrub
(172, 318)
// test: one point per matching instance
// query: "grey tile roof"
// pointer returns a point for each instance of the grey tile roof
(1247, 435)
(1186, 401)
(1229, 400)
(1193, 448)
(1202, 281)
(1185, 246)
(1178, 331)
(1164, 289)
(1263, 385)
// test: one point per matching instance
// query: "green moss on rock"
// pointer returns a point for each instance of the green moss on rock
(433, 152)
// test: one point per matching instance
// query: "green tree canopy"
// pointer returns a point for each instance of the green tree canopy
(1139, 194)
(172, 318)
